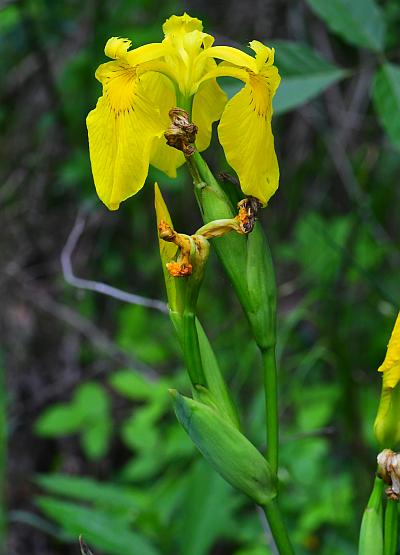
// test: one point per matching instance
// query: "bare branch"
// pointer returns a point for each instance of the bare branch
(98, 286)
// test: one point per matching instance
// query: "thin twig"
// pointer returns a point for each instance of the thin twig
(97, 286)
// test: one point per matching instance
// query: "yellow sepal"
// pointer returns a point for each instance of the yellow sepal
(121, 132)
(246, 136)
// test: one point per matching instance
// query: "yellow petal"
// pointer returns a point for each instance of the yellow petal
(246, 136)
(233, 56)
(167, 249)
(181, 24)
(146, 53)
(224, 70)
(159, 90)
(387, 421)
(264, 55)
(391, 365)
(167, 253)
(208, 105)
(117, 47)
(186, 43)
(121, 130)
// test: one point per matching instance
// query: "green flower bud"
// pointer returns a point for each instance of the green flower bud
(229, 452)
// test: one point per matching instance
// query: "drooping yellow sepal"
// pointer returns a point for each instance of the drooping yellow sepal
(123, 125)
(246, 136)
(245, 131)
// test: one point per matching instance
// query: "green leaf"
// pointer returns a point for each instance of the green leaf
(91, 401)
(198, 530)
(304, 74)
(58, 420)
(134, 385)
(142, 467)
(102, 494)
(140, 431)
(95, 438)
(386, 96)
(99, 528)
(358, 22)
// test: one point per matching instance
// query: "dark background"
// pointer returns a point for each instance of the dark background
(86, 375)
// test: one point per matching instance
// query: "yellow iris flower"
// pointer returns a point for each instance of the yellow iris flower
(140, 87)
(387, 422)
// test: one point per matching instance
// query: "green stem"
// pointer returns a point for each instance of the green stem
(271, 404)
(191, 350)
(391, 527)
(278, 529)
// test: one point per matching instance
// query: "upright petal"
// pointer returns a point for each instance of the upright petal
(208, 105)
(186, 42)
(121, 130)
(246, 136)
(181, 24)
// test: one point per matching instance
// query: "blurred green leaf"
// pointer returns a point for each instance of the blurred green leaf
(142, 467)
(97, 527)
(88, 414)
(91, 400)
(209, 503)
(147, 338)
(95, 438)
(58, 420)
(305, 74)
(133, 385)
(318, 245)
(102, 494)
(260, 550)
(140, 431)
(316, 405)
(358, 22)
(386, 96)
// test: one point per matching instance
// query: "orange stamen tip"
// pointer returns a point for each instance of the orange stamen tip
(177, 269)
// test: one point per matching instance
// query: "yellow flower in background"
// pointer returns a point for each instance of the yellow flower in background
(142, 85)
(387, 422)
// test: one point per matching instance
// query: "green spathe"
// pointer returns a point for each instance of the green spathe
(226, 449)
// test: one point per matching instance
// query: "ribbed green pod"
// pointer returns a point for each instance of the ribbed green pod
(230, 453)
(246, 259)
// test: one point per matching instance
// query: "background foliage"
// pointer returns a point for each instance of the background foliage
(92, 444)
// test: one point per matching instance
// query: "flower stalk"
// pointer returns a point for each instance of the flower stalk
(158, 107)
